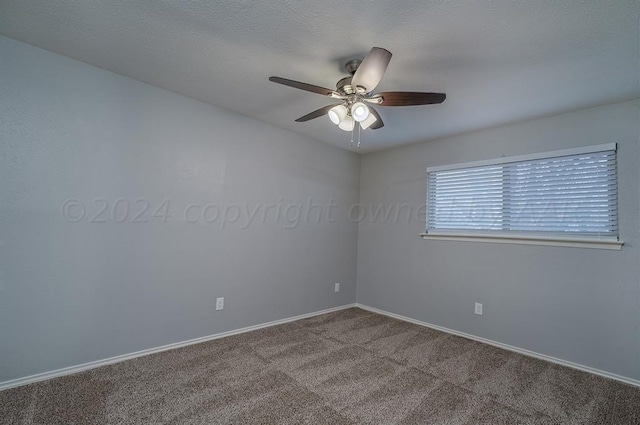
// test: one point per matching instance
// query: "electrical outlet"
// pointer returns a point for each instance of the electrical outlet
(220, 303)
(337, 287)
(478, 309)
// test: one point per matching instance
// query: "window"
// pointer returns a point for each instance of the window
(563, 195)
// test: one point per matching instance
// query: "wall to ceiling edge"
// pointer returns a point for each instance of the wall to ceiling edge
(574, 304)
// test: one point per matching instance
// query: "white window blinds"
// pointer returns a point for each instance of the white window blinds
(571, 192)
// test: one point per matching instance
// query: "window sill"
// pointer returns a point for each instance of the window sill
(527, 240)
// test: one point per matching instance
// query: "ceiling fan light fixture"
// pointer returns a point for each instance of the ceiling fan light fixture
(347, 123)
(337, 114)
(367, 122)
(359, 111)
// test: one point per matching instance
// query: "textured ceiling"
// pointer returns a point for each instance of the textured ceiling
(498, 61)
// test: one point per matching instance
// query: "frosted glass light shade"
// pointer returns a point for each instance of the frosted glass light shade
(347, 123)
(337, 114)
(359, 111)
(366, 123)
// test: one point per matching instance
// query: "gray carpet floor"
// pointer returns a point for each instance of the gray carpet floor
(347, 367)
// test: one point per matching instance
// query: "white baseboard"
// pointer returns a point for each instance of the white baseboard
(91, 365)
(529, 353)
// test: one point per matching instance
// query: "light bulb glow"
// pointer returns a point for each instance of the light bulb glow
(359, 111)
(337, 114)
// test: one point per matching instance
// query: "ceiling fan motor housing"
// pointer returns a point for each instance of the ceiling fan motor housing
(344, 86)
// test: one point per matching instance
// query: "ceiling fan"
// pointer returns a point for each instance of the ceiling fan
(356, 94)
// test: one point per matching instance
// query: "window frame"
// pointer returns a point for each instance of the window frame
(538, 238)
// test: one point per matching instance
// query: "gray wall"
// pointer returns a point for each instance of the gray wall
(73, 292)
(580, 305)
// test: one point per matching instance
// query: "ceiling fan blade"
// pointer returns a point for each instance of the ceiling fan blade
(371, 70)
(408, 98)
(317, 113)
(378, 124)
(304, 86)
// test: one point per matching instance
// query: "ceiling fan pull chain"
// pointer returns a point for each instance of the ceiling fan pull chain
(352, 130)
(358, 136)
